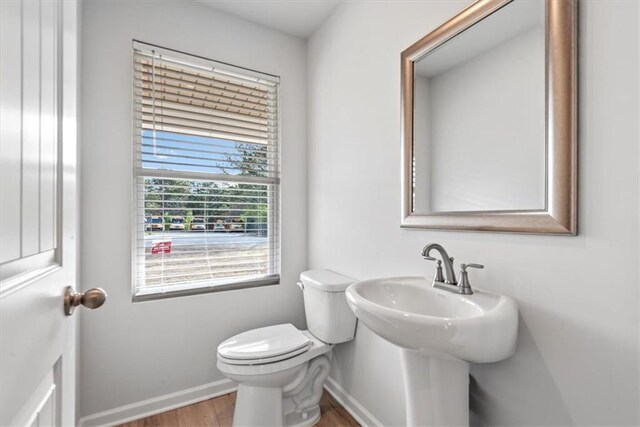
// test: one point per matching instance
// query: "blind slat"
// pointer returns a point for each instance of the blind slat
(209, 154)
(255, 150)
(206, 114)
(197, 175)
(204, 117)
(169, 128)
(187, 101)
(245, 84)
(189, 123)
(161, 87)
(203, 86)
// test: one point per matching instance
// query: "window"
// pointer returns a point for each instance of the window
(206, 175)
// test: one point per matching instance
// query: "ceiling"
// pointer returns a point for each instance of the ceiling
(296, 17)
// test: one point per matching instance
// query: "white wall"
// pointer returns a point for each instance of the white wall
(132, 352)
(577, 357)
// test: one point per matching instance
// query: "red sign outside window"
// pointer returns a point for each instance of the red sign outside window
(160, 247)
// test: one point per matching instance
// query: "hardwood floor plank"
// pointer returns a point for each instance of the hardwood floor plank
(196, 415)
(169, 418)
(223, 408)
(218, 412)
(333, 414)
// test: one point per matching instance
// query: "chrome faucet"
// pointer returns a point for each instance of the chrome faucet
(451, 283)
(448, 261)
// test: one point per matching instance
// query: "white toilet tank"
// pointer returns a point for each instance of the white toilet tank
(329, 318)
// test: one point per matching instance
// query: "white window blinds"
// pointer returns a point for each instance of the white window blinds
(206, 175)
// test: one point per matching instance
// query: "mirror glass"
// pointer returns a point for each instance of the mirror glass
(480, 116)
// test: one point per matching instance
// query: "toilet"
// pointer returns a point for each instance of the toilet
(280, 370)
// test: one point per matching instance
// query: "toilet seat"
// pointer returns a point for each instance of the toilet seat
(264, 345)
(316, 348)
(262, 361)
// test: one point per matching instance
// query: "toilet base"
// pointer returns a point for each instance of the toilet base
(295, 404)
(264, 406)
(258, 406)
(305, 419)
(269, 411)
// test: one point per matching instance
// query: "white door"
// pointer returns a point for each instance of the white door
(38, 210)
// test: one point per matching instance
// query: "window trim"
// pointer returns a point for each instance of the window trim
(141, 294)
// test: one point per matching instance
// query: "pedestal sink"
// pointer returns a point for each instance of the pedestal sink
(439, 333)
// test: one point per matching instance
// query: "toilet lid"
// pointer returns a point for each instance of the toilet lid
(264, 343)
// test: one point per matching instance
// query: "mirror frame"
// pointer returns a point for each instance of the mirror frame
(560, 214)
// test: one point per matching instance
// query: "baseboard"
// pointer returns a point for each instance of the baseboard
(156, 405)
(352, 406)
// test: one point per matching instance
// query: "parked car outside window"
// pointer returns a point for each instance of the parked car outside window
(155, 223)
(177, 223)
(236, 225)
(198, 224)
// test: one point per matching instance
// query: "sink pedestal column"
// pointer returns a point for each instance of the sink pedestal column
(436, 390)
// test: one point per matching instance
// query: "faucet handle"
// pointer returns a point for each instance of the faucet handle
(463, 267)
(465, 286)
(439, 276)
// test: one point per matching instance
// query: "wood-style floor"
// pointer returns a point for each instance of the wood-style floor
(218, 412)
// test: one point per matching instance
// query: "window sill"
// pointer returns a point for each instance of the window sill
(153, 293)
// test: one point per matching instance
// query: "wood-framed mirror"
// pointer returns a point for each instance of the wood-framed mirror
(489, 120)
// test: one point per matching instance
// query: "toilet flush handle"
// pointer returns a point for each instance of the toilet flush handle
(300, 285)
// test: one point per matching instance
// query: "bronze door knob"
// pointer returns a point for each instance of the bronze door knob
(93, 298)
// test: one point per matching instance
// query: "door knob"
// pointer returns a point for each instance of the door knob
(93, 298)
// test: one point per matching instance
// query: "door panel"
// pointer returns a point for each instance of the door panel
(30, 241)
(42, 408)
(10, 130)
(48, 125)
(30, 346)
(30, 126)
(45, 415)
(38, 127)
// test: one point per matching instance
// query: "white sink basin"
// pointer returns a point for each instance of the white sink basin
(440, 333)
(410, 313)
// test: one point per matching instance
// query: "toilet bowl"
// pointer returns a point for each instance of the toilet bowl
(278, 390)
(281, 370)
